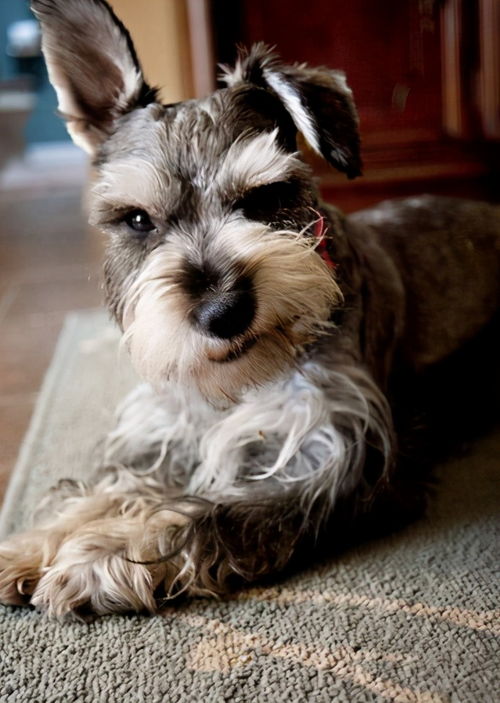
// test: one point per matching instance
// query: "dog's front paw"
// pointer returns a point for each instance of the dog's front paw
(22, 561)
(103, 583)
(110, 565)
(63, 573)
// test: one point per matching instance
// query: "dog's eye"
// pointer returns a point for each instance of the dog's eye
(262, 201)
(139, 221)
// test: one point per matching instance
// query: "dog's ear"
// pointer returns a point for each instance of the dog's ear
(318, 100)
(92, 65)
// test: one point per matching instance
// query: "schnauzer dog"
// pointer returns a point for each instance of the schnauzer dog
(265, 324)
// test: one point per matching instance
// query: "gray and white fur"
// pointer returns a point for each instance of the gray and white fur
(264, 323)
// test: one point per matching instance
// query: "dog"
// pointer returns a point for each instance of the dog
(267, 326)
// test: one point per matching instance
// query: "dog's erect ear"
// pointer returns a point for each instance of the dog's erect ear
(318, 100)
(92, 66)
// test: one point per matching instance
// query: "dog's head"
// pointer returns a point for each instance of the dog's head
(212, 267)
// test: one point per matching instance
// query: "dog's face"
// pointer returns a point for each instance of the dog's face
(212, 270)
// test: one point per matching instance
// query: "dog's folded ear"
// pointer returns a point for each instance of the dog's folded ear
(318, 100)
(92, 65)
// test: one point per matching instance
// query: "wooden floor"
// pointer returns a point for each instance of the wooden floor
(49, 265)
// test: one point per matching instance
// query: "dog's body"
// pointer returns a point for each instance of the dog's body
(269, 324)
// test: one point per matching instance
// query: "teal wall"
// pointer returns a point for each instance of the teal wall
(43, 125)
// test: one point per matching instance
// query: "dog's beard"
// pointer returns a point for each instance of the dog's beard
(295, 292)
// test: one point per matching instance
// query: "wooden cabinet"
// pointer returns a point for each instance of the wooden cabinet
(425, 76)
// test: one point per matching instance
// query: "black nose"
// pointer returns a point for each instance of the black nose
(226, 315)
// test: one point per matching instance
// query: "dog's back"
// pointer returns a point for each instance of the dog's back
(446, 251)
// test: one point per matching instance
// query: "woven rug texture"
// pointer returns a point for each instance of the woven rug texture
(411, 618)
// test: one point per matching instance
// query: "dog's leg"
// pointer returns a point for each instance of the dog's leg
(79, 556)
(276, 469)
(267, 471)
(85, 530)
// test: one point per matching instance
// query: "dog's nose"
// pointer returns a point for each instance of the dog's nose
(226, 315)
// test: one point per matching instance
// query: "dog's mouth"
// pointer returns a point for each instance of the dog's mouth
(236, 352)
(241, 348)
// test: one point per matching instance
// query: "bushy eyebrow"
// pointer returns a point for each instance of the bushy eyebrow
(256, 161)
(133, 182)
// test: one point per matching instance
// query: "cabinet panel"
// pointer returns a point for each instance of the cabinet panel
(421, 75)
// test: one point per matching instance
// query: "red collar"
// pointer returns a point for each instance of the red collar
(320, 233)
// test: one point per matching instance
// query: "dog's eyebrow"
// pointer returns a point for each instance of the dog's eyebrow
(134, 182)
(254, 161)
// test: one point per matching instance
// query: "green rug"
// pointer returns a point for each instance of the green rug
(410, 618)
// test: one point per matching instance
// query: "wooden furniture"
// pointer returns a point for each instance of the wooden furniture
(425, 75)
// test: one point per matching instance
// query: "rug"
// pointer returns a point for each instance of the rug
(409, 618)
